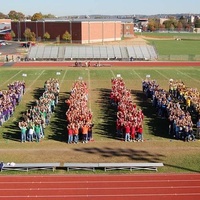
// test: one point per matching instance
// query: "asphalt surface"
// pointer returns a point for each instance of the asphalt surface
(11, 48)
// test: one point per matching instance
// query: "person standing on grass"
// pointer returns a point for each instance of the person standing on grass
(133, 132)
(140, 133)
(75, 133)
(127, 132)
(70, 133)
(85, 133)
(22, 126)
(198, 129)
(37, 132)
(90, 131)
(30, 133)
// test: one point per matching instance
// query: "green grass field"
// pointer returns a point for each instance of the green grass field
(166, 44)
(177, 156)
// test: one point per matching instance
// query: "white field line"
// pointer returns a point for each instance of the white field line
(167, 78)
(102, 195)
(112, 73)
(188, 76)
(137, 74)
(100, 188)
(63, 78)
(10, 78)
(34, 81)
(102, 181)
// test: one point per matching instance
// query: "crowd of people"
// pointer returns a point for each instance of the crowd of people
(35, 119)
(9, 99)
(168, 105)
(189, 96)
(78, 115)
(129, 123)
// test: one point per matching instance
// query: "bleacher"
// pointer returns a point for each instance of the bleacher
(79, 166)
(108, 52)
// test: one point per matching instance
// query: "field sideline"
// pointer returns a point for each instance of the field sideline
(158, 147)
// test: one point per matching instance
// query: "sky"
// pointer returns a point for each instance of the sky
(102, 7)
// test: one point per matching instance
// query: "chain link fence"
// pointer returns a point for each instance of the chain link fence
(179, 57)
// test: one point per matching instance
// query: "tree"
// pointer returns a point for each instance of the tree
(49, 16)
(170, 24)
(197, 23)
(8, 36)
(29, 35)
(36, 16)
(172, 27)
(67, 36)
(179, 26)
(13, 15)
(3, 16)
(12, 34)
(153, 24)
(184, 22)
(46, 36)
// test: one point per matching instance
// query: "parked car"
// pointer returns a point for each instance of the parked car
(2, 42)
(27, 44)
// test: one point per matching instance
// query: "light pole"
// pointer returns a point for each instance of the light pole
(36, 30)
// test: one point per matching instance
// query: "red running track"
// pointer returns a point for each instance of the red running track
(108, 63)
(101, 187)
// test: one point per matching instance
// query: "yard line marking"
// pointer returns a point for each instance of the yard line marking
(10, 78)
(137, 74)
(167, 78)
(34, 81)
(63, 77)
(112, 73)
(188, 76)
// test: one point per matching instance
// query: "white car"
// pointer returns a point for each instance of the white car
(3, 43)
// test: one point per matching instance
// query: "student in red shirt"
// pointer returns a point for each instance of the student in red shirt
(140, 132)
(70, 134)
(133, 132)
(127, 132)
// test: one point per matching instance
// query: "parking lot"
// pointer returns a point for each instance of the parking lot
(11, 48)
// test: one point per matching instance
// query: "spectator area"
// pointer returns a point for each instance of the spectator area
(105, 52)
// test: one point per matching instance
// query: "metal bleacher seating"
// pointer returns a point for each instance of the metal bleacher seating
(138, 52)
(124, 53)
(46, 52)
(33, 52)
(29, 166)
(40, 52)
(113, 166)
(106, 52)
(117, 52)
(61, 52)
(54, 53)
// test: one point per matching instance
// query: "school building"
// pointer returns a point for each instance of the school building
(82, 31)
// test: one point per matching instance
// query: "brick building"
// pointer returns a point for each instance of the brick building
(82, 31)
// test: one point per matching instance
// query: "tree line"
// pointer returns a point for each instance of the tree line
(172, 24)
(19, 16)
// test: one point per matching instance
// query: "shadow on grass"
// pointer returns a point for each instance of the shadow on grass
(12, 129)
(106, 125)
(58, 122)
(181, 168)
(156, 125)
(132, 154)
